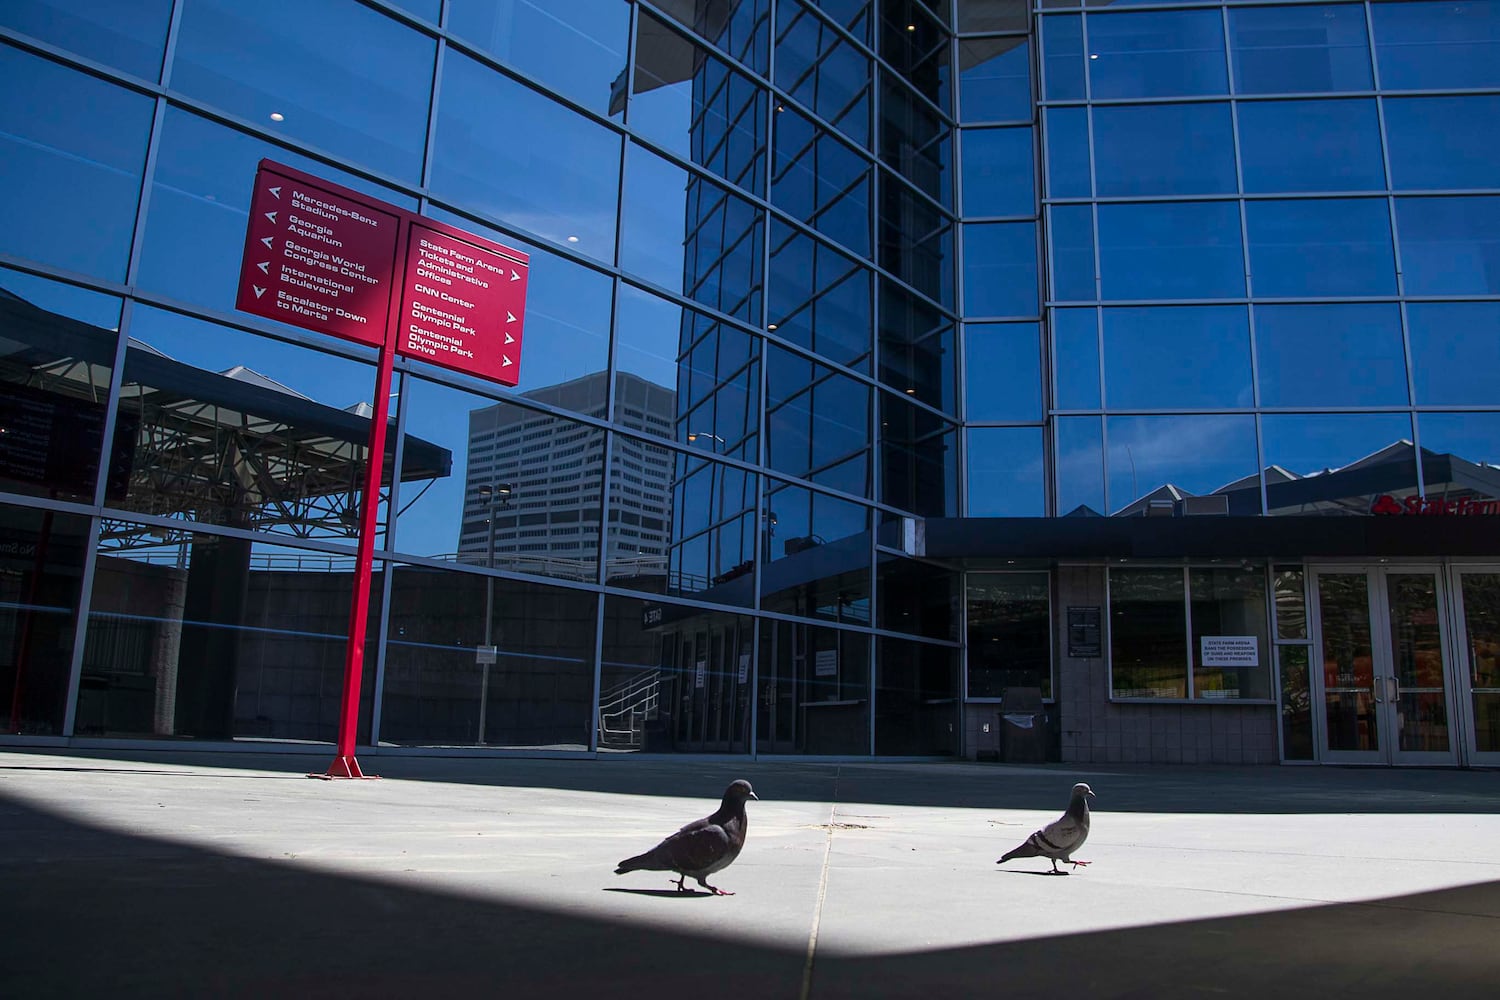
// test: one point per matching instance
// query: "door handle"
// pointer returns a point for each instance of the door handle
(1395, 694)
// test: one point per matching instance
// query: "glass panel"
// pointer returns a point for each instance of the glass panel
(711, 547)
(1075, 358)
(994, 80)
(524, 493)
(1067, 135)
(1164, 149)
(71, 156)
(817, 423)
(1164, 54)
(1296, 703)
(694, 105)
(1080, 467)
(818, 298)
(852, 14)
(915, 240)
(1450, 246)
(126, 34)
(236, 429)
(1007, 476)
(1417, 659)
(41, 573)
(1481, 602)
(196, 636)
(1326, 247)
(1348, 662)
(919, 459)
(1336, 463)
(822, 71)
(1432, 46)
(1062, 58)
(567, 309)
(1230, 652)
(1009, 625)
(200, 207)
(1472, 438)
(1298, 50)
(999, 176)
(55, 369)
(1177, 357)
(275, 63)
(538, 693)
(1148, 639)
(916, 699)
(641, 518)
(1439, 143)
(1187, 250)
(994, 15)
(1291, 602)
(1331, 355)
(576, 48)
(504, 151)
(1454, 352)
(813, 686)
(820, 181)
(635, 659)
(1310, 146)
(738, 27)
(1003, 365)
(1073, 253)
(709, 370)
(918, 353)
(1150, 457)
(1000, 272)
(915, 141)
(817, 556)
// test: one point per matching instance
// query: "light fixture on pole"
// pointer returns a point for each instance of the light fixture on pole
(491, 495)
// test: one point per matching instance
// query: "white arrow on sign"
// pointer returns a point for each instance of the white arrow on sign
(515, 275)
(271, 216)
(265, 267)
(510, 317)
(259, 291)
(267, 241)
(508, 338)
(505, 362)
(275, 191)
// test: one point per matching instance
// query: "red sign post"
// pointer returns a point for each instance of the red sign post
(325, 258)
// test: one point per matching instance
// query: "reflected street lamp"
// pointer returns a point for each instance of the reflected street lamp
(499, 493)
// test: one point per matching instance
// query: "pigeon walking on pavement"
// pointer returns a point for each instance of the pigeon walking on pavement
(702, 847)
(1059, 839)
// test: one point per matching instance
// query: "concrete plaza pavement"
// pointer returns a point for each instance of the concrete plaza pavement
(152, 873)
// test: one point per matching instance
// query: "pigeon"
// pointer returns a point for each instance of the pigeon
(1059, 839)
(702, 847)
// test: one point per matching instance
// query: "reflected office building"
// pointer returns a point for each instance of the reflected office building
(1094, 382)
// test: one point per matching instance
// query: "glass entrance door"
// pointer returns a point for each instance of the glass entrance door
(1479, 661)
(1385, 682)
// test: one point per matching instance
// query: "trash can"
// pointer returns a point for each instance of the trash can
(1023, 729)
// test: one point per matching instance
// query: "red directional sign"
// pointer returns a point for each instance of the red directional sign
(463, 302)
(318, 256)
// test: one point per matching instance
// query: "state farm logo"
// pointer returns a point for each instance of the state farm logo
(1468, 506)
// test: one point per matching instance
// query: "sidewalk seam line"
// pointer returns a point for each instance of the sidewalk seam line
(812, 937)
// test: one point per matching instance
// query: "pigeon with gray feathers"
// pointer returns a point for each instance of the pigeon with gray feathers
(1059, 839)
(702, 847)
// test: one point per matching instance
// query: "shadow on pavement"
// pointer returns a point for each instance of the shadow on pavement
(1265, 789)
(90, 912)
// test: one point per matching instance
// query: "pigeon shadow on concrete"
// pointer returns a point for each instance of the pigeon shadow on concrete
(662, 893)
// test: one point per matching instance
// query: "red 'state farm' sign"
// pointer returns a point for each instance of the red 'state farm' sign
(325, 258)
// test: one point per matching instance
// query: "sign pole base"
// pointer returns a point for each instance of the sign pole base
(343, 766)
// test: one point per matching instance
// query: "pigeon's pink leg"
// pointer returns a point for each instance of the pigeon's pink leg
(1075, 864)
(715, 889)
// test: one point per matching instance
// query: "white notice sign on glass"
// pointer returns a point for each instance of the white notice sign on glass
(699, 673)
(744, 667)
(826, 663)
(1230, 650)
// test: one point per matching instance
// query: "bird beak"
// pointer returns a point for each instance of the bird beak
(754, 796)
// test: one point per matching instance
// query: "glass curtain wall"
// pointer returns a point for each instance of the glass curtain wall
(740, 369)
(1271, 266)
